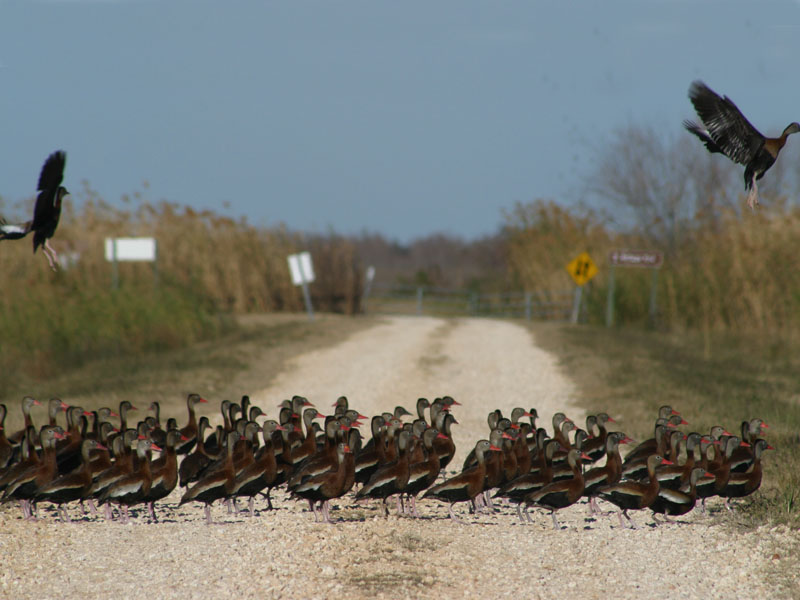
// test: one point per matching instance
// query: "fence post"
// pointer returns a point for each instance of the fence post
(653, 290)
(576, 304)
(419, 300)
(473, 303)
(610, 298)
(528, 307)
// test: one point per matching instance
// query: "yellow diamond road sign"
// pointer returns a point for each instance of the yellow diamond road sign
(582, 268)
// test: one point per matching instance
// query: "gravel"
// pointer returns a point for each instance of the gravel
(484, 364)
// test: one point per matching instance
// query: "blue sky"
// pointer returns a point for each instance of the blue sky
(403, 118)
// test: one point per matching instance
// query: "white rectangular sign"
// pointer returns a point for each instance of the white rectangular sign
(131, 249)
(301, 269)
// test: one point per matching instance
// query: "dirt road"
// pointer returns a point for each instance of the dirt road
(484, 365)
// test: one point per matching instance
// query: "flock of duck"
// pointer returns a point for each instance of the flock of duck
(91, 459)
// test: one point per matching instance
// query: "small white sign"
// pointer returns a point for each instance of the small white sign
(301, 269)
(370, 273)
(131, 249)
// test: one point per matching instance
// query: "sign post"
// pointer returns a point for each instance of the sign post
(647, 259)
(131, 249)
(302, 272)
(582, 269)
(369, 277)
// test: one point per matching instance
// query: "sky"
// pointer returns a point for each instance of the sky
(399, 118)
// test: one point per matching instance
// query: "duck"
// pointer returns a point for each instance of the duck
(46, 211)
(725, 130)
(741, 484)
(676, 502)
(466, 485)
(25, 485)
(189, 431)
(164, 472)
(391, 478)
(323, 487)
(423, 474)
(216, 485)
(72, 486)
(133, 488)
(262, 472)
(560, 494)
(634, 495)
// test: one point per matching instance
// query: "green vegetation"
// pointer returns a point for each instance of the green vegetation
(723, 380)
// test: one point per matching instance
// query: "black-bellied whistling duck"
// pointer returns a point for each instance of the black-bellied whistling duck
(68, 454)
(634, 465)
(560, 494)
(595, 447)
(391, 478)
(46, 211)
(422, 405)
(720, 471)
(262, 472)
(164, 471)
(308, 444)
(123, 466)
(217, 485)
(740, 485)
(675, 502)
(516, 489)
(630, 495)
(55, 406)
(445, 448)
(742, 457)
(28, 402)
(674, 476)
(725, 129)
(466, 485)
(520, 448)
(133, 488)
(24, 487)
(340, 406)
(659, 443)
(562, 425)
(354, 441)
(373, 453)
(494, 463)
(189, 431)
(27, 458)
(72, 486)
(6, 448)
(325, 486)
(422, 474)
(124, 408)
(324, 459)
(296, 406)
(608, 474)
(193, 464)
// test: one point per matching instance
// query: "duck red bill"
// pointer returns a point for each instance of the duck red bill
(495, 448)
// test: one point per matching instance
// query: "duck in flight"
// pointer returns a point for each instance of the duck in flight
(47, 210)
(725, 129)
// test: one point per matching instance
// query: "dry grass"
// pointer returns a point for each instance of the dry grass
(733, 273)
(630, 373)
(208, 265)
(238, 362)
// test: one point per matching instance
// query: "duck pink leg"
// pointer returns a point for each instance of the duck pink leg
(453, 515)
(208, 515)
(51, 255)
(752, 197)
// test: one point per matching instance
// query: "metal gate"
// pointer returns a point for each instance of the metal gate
(398, 299)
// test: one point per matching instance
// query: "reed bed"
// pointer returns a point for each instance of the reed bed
(736, 273)
(208, 265)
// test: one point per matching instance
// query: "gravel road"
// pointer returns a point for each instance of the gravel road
(484, 364)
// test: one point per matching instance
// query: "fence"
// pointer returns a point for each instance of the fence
(396, 299)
